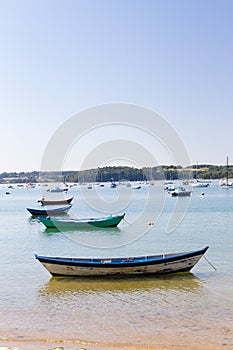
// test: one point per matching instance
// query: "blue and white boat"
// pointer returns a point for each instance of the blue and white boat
(199, 183)
(143, 265)
(50, 211)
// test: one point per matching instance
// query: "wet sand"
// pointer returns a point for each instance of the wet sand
(55, 344)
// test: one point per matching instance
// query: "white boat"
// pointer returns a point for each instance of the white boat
(181, 192)
(225, 183)
(143, 265)
(136, 187)
(169, 187)
(200, 184)
(58, 190)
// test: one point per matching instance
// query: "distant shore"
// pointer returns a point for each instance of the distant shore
(121, 173)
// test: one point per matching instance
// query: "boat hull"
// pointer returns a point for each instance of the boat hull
(81, 224)
(181, 194)
(122, 266)
(200, 185)
(48, 212)
(55, 202)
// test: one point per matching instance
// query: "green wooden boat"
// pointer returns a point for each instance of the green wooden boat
(76, 224)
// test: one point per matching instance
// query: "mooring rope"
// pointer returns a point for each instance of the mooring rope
(128, 222)
(210, 263)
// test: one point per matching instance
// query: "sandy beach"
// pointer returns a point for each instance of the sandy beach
(55, 344)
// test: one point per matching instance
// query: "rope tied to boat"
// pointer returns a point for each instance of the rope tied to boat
(209, 263)
(127, 222)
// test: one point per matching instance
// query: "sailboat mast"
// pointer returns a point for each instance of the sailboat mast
(227, 172)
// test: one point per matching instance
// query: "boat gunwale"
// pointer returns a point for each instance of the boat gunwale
(89, 221)
(121, 262)
(37, 211)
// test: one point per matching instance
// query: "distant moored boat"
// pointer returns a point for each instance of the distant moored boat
(50, 211)
(181, 192)
(44, 201)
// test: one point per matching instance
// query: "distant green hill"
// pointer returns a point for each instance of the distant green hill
(120, 173)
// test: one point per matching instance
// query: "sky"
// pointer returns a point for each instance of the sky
(59, 58)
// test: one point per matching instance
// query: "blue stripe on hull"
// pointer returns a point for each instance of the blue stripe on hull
(120, 262)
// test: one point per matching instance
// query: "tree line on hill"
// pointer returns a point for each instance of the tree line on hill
(121, 173)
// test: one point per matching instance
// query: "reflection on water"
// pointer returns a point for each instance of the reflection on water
(83, 230)
(183, 282)
(146, 310)
(134, 309)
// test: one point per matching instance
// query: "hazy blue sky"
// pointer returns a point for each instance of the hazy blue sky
(60, 57)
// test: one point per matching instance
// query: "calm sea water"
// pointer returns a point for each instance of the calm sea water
(192, 309)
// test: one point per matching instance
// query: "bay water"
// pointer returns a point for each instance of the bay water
(183, 310)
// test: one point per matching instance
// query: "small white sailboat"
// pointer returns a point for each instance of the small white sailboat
(225, 183)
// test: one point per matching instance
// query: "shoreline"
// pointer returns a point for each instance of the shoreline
(62, 344)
